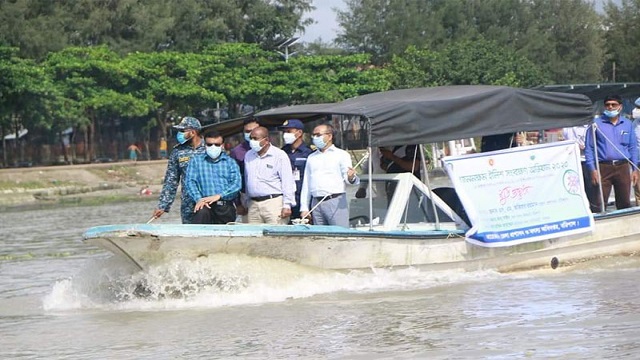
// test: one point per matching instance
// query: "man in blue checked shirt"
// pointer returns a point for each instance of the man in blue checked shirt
(612, 160)
(213, 181)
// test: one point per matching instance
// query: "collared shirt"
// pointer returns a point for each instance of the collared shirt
(176, 173)
(269, 174)
(238, 153)
(298, 159)
(208, 177)
(614, 142)
(325, 174)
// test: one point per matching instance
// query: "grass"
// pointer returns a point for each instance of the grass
(8, 185)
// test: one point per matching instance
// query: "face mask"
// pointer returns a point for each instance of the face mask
(318, 141)
(611, 113)
(214, 151)
(289, 138)
(636, 113)
(255, 145)
(247, 136)
(182, 138)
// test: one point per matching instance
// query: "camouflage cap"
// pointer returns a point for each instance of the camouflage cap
(188, 122)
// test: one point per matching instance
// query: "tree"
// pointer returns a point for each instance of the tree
(622, 22)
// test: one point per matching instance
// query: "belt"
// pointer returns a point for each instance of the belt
(266, 197)
(613, 162)
(328, 197)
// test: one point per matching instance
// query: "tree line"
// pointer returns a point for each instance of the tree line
(106, 68)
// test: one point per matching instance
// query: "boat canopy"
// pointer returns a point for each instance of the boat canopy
(434, 114)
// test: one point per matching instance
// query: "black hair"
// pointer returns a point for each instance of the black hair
(614, 97)
(213, 134)
(250, 120)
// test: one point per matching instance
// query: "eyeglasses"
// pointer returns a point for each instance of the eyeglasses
(213, 144)
(611, 104)
(319, 134)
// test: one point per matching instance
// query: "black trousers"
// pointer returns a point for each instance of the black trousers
(219, 213)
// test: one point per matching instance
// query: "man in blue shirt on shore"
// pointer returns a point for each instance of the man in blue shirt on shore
(616, 150)
(213, 181)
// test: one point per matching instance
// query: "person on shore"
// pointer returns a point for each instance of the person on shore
(269, 181)
(190, 143)
(238, 153)
(298, 152)
(134, 150)
(163, 148)
(213, 181)
(616, 147)
(328, 170)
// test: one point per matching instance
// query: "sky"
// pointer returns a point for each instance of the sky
(326, 26)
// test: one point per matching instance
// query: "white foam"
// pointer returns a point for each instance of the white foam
(229, 280)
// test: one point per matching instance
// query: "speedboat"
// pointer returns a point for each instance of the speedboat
(508, 209)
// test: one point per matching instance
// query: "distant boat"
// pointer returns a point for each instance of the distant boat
(434, 227)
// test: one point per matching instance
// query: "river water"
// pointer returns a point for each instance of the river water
(60, 298)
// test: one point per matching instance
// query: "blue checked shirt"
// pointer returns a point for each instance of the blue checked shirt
(206, 177)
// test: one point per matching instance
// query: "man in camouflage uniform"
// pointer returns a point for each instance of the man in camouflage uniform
(190, 143)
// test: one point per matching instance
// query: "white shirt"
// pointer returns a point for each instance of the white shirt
(325, 174)
(578, 134)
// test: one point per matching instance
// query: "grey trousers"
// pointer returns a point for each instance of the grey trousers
(331, 211)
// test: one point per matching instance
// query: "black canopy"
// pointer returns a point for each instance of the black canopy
(427, 115)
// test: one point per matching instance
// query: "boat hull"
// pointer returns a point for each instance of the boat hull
(328, 247)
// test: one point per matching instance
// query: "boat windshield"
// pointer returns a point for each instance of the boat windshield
(414, 207)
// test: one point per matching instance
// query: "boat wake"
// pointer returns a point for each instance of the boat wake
(229, 280)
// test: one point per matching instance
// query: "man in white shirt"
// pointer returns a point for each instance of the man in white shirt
(327, 172)
(269, 181)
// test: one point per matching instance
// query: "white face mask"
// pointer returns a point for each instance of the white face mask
(636, 113)
(214, 151)
(247, 136)
(289, 138)
(255, 145)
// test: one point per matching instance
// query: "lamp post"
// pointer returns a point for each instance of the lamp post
(285, 44)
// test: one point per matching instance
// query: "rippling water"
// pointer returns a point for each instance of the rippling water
(62, 299)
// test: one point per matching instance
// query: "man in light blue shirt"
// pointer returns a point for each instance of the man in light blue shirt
(617, 148)
(213, 181)
(327, 172)
(269, 181)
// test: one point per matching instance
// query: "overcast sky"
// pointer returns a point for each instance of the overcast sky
(326, 26)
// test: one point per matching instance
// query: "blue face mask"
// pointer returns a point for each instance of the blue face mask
(247, 136)
(182, 138)
(611, 113)
(319, 142)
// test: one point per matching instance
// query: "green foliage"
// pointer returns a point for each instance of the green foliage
(623, 40)
(464, 63)
(563, 38)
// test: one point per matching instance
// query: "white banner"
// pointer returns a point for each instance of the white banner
(522, 194)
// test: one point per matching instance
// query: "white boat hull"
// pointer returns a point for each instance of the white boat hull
(337, 248)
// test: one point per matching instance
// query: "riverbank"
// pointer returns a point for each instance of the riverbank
(85, 184)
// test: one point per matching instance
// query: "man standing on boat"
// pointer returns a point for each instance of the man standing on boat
(269, 181)
(616, 148)
(298, 152)
(213, 181)
(238, 153)
(328, 170)
(189, 144)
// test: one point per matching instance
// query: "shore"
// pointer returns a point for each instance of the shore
(84, 184)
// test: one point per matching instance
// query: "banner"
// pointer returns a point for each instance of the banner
(522, 194)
